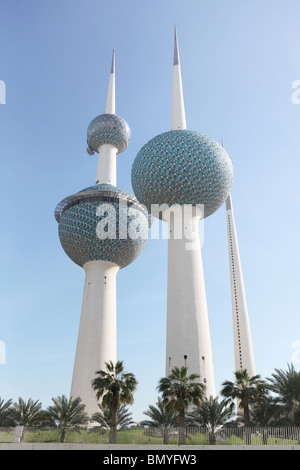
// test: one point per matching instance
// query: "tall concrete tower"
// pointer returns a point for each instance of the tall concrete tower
(103, 229)
(243, 349)
(182, 176)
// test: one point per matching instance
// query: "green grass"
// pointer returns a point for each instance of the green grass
(7, 436)
(132, 436)
(257, 440)
(87, 437)
(40, 435)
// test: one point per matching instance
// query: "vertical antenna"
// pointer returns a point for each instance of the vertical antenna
(178, 110)
(111, 94)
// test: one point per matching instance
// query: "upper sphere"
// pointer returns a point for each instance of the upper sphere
(182, 167)
(102, 222)
(108, 129)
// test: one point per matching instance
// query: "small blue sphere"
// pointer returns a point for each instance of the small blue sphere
(182, 167)
(102, 222)
(108, 129)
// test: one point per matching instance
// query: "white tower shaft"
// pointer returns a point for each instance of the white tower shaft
(243, 349)
(188, 335)
(97, 338)
(107, 163)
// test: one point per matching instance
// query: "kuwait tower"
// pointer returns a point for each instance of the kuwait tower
(182, 176)
(102, 229)
(243, 349)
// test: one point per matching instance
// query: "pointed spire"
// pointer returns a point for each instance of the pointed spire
(111, 95)
(176, 51)
(178, 110)
(112, 70)
(243, 347)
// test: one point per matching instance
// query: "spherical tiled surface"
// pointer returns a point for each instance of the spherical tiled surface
(102, 222)
(108, 129)
(182, 167)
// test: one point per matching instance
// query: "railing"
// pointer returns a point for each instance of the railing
(289, 435)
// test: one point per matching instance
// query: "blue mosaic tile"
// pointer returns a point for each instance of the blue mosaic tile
(182, 167)
(78, 218)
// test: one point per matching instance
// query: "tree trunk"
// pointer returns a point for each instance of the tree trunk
(181, 428)
(113, 430)
(62, 435)
(246, 416)
(248, 436)
(212, 437)
(265, 437)
(247, 425)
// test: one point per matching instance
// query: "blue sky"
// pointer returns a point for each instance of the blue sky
(239, 60)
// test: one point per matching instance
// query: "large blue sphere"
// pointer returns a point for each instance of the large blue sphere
(182, 167)
(102, 222)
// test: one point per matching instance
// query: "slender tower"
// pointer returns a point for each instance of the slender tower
(103, 229)
(182, 176)
(243, 349)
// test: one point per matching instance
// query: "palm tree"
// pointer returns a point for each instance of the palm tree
(246, 390)
(26, 413)
(212, 414)
(6, 415)
(44, 419)
(286, 384)
(67, 414)
(268, 412)
(179, 390)
(114, 387)
(104, 417)
(161, 418)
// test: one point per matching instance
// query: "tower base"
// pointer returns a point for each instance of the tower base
(97, 337)
(188, 335)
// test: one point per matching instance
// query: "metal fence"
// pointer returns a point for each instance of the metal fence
(288, 435)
